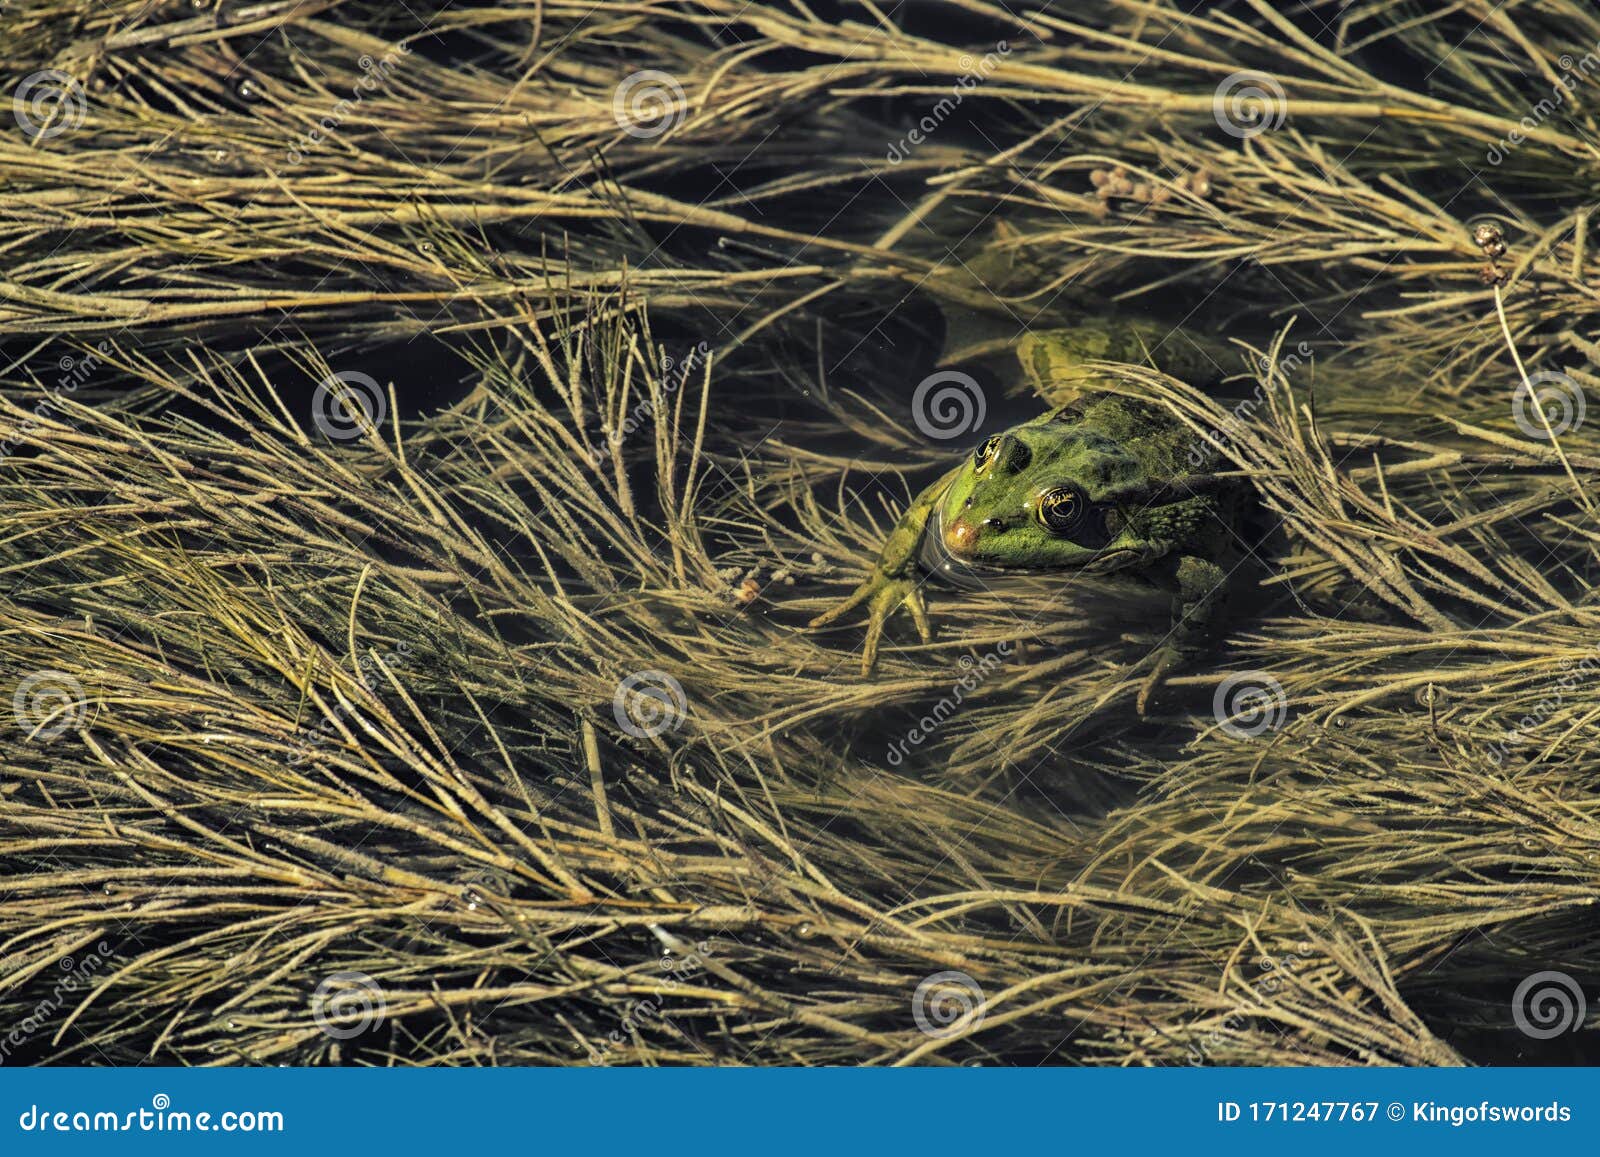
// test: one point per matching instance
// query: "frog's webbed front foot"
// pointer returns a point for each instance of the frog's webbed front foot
(895, 580)
(884, 594)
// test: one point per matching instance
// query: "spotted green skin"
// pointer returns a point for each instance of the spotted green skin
(1129, 459)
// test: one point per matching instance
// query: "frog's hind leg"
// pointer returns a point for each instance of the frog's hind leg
(1058, 362)
(1197, 611)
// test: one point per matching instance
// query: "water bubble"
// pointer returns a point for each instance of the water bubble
(1431, 695)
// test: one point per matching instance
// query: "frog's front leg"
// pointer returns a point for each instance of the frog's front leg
(1197, 610)
(894, 580)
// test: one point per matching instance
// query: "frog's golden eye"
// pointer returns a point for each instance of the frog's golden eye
(1062, 510)
(984, 454)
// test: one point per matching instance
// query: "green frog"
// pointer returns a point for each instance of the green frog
(1103, 483)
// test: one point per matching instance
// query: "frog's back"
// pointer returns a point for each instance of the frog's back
(1148, 432)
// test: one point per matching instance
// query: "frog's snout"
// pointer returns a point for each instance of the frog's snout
(961, 536)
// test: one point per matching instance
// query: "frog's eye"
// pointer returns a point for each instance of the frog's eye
(1062, 510)
(1003, 453)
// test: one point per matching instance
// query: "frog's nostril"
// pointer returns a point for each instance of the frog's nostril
(994, 524)
(961, 536)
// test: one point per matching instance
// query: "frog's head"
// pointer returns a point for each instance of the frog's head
(1049, 495)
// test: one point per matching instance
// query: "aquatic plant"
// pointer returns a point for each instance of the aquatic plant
(427, 430)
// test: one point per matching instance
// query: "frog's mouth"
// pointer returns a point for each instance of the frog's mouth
(937, 558)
